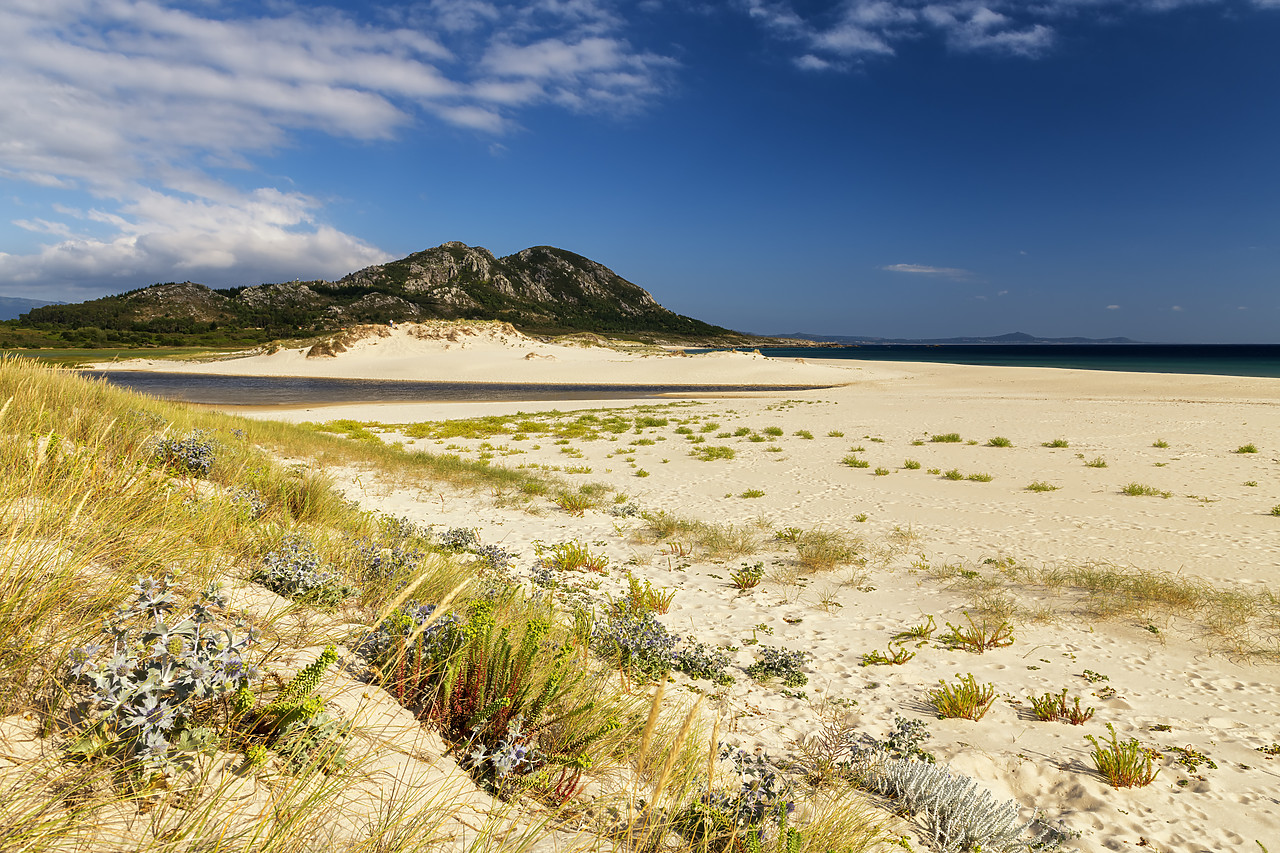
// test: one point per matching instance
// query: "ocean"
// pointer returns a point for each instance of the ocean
(1207, 359)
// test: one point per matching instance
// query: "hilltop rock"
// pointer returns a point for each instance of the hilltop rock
(541, 289)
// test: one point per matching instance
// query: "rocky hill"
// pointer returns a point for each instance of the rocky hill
(540, 290)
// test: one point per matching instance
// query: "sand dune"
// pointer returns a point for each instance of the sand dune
(496, 352)
(1172, 678)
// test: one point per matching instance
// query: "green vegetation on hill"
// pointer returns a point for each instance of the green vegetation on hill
(542, 290)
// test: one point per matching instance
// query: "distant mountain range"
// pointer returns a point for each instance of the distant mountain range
(540, 290)
(1011, 338)
(11, 307)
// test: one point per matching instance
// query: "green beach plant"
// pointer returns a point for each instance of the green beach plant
(966, 699)
(1124, 764)
(978, 636)
(1139, 490)
(1052, 707)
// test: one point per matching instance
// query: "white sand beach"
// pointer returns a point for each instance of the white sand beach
(1183, 679)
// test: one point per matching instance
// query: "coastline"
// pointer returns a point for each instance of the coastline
(1171, 672)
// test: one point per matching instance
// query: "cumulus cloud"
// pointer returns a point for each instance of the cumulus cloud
(138, 102)
(933, 272)
(859, 29)
(1113, 307)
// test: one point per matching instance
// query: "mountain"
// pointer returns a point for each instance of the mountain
(541, 290)
(11, 307)
(1011, 338)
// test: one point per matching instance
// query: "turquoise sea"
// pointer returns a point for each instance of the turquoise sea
(1210, 359)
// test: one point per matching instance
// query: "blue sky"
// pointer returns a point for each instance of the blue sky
(898, 168)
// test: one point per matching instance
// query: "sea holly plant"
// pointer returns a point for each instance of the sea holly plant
(294, 570)
(193, 456)
(752, 818)
(773, 663)
(156, 681)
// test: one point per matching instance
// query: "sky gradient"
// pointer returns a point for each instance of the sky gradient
(895, 168)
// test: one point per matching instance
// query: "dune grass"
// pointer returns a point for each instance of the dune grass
(87, 505)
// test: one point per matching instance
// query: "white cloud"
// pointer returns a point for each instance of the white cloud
(1176, 308)
(1113, 307)
(921, 269)
(135, 101)
(858, 29)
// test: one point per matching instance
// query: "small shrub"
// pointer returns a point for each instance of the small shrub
(1246, 448)
(148, 709)
(954, 474)
(712, 452)
(882, 472)
(643, 597)
(957, 814)
(922, 632)
(979, 478)
(946, 438)
(1125, 764)
(854, 462)
(1053, 706)
(640, 472)
(999, 441)
(775, 664)
(294, 571)
(1275, 510)
(752, 493)
(1057, 442)
(835, 433)
(978, 637)
(803, 433)
(740, 432)
(935, 471)
(823, 550)
(700, 660)
(752, 819)
(1096, 462)
(459, 539)
(574, 503)
(1041, 486)
(573, 556)
(966, 699)
(1139, 490)
(637, 644)
(193, 455)
(896, 656)
(747, 576)
(1160, 442)
(860, 517)
(774, 431)
(911, 465)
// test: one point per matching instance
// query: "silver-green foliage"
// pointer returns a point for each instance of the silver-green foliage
(953, 809)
